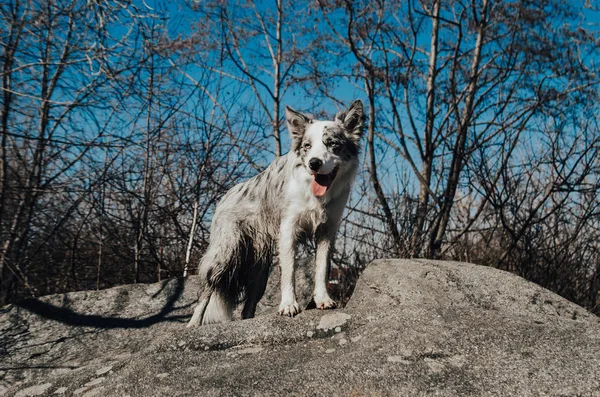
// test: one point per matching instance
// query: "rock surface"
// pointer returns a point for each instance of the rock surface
(412, 327)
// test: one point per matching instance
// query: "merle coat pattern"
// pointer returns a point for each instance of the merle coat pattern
(300, 195)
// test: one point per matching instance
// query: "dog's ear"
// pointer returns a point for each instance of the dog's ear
(296, 122)
(353, 120)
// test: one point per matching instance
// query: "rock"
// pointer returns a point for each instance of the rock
(94, 382)
(94, 392)
(412, 327)
(333, 321)
(250, 350)
(36, 390)
(398, 359)
(81, 390)
(104, 370)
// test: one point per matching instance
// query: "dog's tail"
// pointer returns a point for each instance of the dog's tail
(196, 319)
(221, 268)
(213, 308)
(217, 301)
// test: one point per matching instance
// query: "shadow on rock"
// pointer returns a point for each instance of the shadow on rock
(66, 315)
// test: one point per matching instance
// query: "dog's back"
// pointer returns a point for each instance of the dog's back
(256, 204)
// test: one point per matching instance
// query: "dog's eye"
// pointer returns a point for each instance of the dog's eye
(306, 145)
(334, 145)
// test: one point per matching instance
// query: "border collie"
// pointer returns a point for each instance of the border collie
(299, 196)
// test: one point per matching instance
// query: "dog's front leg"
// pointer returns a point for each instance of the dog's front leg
(325, 237)
(287, 256)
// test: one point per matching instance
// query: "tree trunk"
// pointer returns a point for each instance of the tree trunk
(439, 230)
(188, 251)
(389, 216)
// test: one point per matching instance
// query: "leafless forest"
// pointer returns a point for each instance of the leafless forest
(123, 123)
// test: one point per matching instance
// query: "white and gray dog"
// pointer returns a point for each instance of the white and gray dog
(300, 195)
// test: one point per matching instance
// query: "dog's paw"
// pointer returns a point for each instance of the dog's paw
(324, 302)
(289, 309)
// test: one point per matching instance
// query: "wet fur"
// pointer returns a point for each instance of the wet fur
(275, 210)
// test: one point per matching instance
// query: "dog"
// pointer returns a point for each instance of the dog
(301, 195)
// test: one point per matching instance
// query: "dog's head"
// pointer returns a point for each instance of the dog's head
(326, 147)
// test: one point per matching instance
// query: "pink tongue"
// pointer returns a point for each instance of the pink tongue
(318, 190)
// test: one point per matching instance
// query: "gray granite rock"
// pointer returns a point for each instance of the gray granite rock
(412, 328)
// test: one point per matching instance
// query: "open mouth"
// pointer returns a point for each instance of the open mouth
(321, 182)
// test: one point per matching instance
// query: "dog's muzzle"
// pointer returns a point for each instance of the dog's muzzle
(322, 182)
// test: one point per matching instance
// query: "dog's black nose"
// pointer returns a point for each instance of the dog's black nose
(315, 164)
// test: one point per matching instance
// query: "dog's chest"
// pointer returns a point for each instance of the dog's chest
(309, 215)
(307, 210)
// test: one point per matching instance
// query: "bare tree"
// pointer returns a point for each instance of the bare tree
(437, 103)
(42, 147)
(262, 48)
